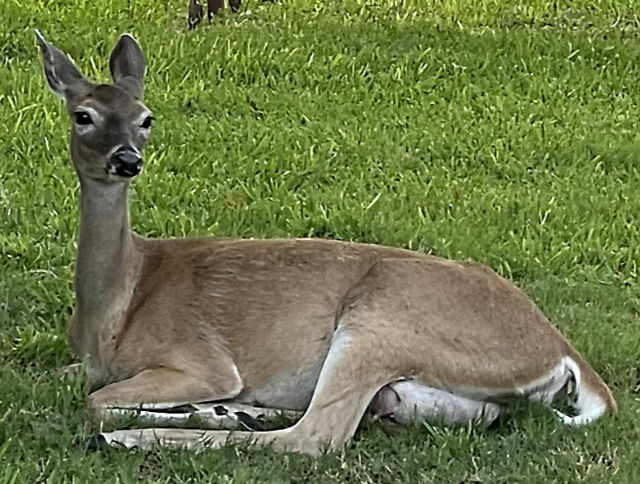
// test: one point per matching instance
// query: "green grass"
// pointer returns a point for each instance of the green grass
(473, 129)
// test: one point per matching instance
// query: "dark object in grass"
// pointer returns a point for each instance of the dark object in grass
(214, 7)
(195, 13)
(234, 5)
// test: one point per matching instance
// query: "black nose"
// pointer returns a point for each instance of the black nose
(127, 162)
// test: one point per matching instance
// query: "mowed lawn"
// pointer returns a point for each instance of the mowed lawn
(472, 129)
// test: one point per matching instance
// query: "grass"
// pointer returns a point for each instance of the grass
(477, 130)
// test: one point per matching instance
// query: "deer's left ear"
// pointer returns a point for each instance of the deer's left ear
(128, 66)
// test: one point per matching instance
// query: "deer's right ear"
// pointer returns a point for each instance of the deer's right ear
(62, 76)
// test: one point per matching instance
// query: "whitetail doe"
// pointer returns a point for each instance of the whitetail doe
(235, 330)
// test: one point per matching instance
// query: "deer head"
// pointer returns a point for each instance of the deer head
(110, 124)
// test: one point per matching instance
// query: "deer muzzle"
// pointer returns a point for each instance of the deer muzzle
(127, 162)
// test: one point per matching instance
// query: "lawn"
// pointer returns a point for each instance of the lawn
(472, 129)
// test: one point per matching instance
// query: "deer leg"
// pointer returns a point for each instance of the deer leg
(407, 401)
(214, 7)
(195, 13)
(164, 387)
(213, 415)
(346, 385)
(234, 5)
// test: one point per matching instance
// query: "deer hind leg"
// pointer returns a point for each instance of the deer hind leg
(346, 385)
(407, 401)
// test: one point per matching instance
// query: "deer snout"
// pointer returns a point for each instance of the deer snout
(126, 162)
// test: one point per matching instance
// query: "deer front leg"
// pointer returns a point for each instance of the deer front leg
(215, 415)
(163, 387)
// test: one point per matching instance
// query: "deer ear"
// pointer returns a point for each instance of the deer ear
(128, 66)
(61, 75)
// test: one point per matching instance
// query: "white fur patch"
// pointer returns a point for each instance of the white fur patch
(421, 402)
(589, 405)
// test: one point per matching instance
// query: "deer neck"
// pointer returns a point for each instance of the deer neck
(107, 264)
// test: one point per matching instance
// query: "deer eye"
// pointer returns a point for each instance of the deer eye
(82, 118)
(146, 124)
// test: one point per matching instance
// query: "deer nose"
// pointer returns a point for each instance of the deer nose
(127, 162)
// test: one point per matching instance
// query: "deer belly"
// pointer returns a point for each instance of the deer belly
(286, 390)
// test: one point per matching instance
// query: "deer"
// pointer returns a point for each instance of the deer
(234, 331)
